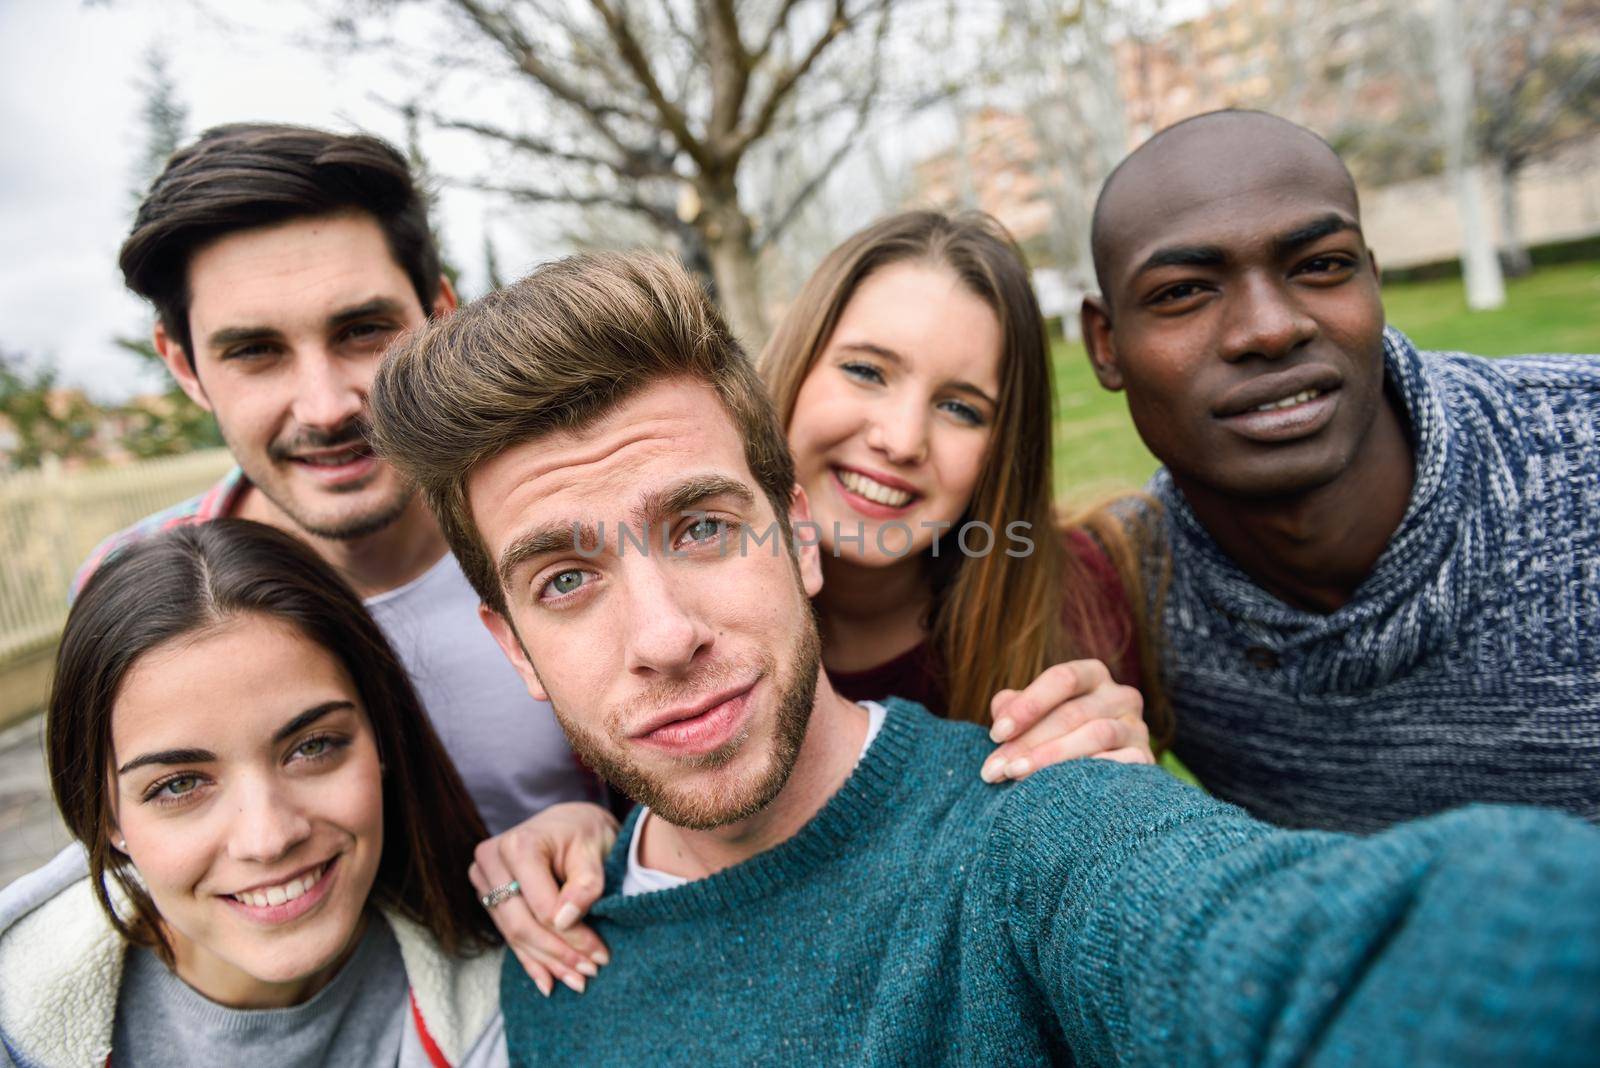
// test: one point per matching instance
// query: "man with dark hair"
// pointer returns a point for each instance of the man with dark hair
(813, 881)
(282, 261)
(1385, 563)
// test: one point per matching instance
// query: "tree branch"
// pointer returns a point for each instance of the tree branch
(660, 216)
(521, 52)
(785, 82)
(672, 117)
(535, 145)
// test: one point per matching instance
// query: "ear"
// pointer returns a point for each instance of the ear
(808, 553)
(177, 361)
(1095, 317)
(447, 301)
(510, 644)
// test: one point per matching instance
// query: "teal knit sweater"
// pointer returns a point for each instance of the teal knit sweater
(1095, 913)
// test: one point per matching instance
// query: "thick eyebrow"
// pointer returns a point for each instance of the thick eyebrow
(1183, 256)
(1315, 230)
(673, 502)
(565, 537)
(234, 335)
(202, 756)
(375, 306)
(959, 385)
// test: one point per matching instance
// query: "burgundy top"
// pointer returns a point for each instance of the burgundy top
(917, 674)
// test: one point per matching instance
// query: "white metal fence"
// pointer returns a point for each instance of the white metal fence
(51, 519)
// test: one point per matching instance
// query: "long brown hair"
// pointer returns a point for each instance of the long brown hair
(191, 579)
(997, 621)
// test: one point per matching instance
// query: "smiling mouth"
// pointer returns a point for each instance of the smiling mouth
(1303, 397)
(268, 896)
(335, 459)
(873, 490)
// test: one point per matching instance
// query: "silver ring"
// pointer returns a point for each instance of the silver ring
(500, 893)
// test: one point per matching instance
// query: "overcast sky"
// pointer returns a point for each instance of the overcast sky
(69, 110)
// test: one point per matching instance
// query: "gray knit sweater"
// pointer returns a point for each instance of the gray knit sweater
(1467, 665)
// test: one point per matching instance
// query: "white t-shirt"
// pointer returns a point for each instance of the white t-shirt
(509, 748)
(641, 880)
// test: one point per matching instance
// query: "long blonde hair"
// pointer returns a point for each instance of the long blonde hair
(997, 621)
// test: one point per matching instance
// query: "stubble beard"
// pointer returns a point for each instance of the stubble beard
(380, 516)
(700, 808)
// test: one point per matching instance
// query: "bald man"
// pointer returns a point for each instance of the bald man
(1385, 596)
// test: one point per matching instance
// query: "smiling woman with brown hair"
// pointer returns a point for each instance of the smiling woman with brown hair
(912, 374)
(276, 841)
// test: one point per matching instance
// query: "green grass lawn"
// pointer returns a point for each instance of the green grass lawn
(1556, 309)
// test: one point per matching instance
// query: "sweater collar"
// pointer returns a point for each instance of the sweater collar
(1418, 592)
(852, 813)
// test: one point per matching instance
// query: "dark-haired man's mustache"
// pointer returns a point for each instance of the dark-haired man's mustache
(352, 435)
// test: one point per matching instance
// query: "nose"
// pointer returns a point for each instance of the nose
(665, 629)
(900, 430)
(1263, 321)
(329, 391)
(268, 823)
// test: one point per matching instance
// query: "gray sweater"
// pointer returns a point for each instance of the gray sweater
(64, 970)
(1467, 665)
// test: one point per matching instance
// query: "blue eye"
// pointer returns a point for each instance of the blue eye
(565, 582)
(704, 529)
(865, 372)
(964, 412)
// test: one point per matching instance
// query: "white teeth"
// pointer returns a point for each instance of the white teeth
(873, 490)
(1289, 402)
(277, 895)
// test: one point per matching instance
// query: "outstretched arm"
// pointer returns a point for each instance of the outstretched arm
(1165, 927)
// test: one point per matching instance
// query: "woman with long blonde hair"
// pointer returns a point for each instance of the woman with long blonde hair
(912, 374)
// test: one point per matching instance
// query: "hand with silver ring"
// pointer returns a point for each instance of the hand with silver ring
(500, 893)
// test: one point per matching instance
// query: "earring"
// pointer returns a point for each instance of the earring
(122, 844)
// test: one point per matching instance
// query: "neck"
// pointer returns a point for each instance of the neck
(1313, 549)
(224, 983)
(373, 564)
(869, 615)
(829, 753)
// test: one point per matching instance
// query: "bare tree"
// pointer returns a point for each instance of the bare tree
(654, 110)
(1538, 84)
(1480, 268)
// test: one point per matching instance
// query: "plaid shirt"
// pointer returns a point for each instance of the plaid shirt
(215, 503)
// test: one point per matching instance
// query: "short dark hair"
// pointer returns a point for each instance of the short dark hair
(191, 579)
(246, 175)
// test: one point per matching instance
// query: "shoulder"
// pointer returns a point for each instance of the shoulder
(1571, 375)
(1068, 827)
(202, 507)
(60, 965)
(455, 999)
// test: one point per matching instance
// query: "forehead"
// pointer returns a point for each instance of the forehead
(1229, 186)
(302, 268)
(665, 433)
(926, 314)
(221, 683)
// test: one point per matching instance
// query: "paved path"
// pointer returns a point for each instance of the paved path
(30, 831)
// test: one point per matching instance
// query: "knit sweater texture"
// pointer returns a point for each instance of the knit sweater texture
(1465, 668)
(1095, 913)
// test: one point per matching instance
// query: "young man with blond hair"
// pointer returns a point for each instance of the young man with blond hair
(810, 880)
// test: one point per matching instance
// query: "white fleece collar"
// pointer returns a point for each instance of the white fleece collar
(61, 970)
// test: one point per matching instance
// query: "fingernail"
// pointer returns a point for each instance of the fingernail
(1018, 768)
(1003, 728)
(600, 957)
(543, 985)
(566, 916)
(587, 967)
(575, 982)
(992, 769)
